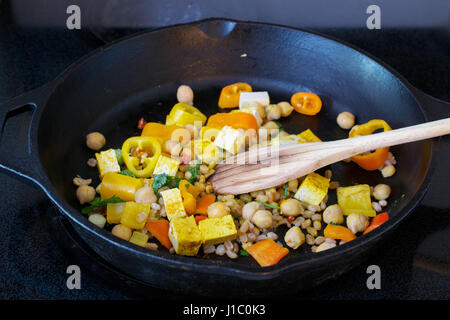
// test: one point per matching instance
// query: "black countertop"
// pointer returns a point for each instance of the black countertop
(37, 246)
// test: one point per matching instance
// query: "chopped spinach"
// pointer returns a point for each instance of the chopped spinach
(161, 180)
(194, 171)
(99, 202)
(243, 252)
(128, 173)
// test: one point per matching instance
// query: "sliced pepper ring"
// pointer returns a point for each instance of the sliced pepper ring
(150, 145)
(229, 96)
(374, 160)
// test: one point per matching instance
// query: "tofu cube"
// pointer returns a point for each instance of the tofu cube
(217, 230)
(231, 140)
(135, 215)
(253, 99)
(107, 162)
(185, 236)
(173, 203)
(139, 238)
(166, 165)
(114, 212)
(313, 189)
(355, 199)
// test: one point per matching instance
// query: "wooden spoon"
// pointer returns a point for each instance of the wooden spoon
(266, 167)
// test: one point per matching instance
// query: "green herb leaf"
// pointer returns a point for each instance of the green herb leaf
(119, 156)
(279, 125)
(194, 173)
(128, 173)
(234, 215)
(161, 180)
(242, 252)
(286, 189)
(335, 224)
(99, 202)
(267, 205)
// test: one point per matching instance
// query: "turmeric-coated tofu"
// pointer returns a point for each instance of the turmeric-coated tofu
(313, 189)
(107, 162)
(166, 165)
(173, 203)
(217, 230)
(185, 236)
(135, 215)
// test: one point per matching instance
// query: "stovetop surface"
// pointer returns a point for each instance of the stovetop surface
(37, 244)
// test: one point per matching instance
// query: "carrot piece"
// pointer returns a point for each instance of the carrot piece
(377, 221)
(204, 202)
(267, 252)
(199, 218)
(160, 230)
(338, 232)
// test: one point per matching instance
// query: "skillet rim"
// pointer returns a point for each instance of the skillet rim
(228, 268)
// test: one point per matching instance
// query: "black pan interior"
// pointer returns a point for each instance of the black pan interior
(138, 77)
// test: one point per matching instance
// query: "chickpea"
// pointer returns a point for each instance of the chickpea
(333, 214)
(145, 195)
(388, 171)
(79, 181)
(85, 193)
(291, 207)
(357, 222)
(261, 111)
(294, 237)
(345, 120)
(95, 141)
(249, 210)
(218, 209)
(121, 231)
(262, 219)
(286, 108)
(293, 185)
(271, 125)
(185, 94)
(381, 191)
(273, 112)
(98, 220)
(172, 147)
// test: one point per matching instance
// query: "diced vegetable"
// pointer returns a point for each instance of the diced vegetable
(377, 221)
(173, 203)
(160, 230)
(217, 230)
(267, 252)
(185, 236)
(229, 96)
(124, 187)
(373, 160)
(160, 131)
(355, 199)
(183, 114)
(309, 136)
(236, 120)
(139, 238)
(338, 232)
(107, 162)
(135, 215)
(313, 189)
(114, 212)
(204, 202)
(143, 167)
(306, 103)
(189, 202)
(166, 165)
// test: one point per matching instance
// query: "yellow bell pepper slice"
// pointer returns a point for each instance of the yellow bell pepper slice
(183, 114)
(309, 136)
(355, 199)
(119, 185)
(133, 150)
(159, 130)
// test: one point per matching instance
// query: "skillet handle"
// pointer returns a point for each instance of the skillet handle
(18, 132)
(436, 196)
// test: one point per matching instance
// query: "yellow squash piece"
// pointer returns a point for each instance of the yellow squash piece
(114, 212)
(135, 215)
(309, 136)
(107, 162)
(183, 114)
(119, 185)
(173, 203)
(355, 199)
(139, 238)
(313, 189)
(185, 236)
(231, 140)
(166, 165)
(217, 230)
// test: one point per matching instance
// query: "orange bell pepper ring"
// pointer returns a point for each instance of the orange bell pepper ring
(236, 120)
(338, 232)
(377, 221)
(374, 160)
(229, 96)
(306, 103)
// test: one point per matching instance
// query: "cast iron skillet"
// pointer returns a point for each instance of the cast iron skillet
(111, 88)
